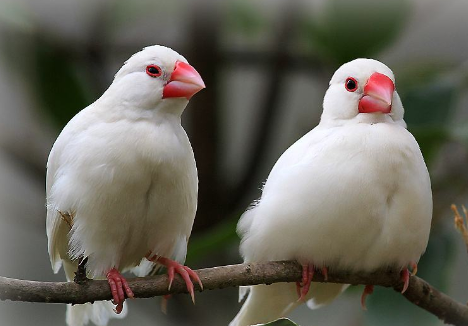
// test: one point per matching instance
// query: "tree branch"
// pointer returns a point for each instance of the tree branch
(419, 292)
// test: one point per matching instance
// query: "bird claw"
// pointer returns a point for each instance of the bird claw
(118, 308)
(185, 272)
(414, 268)
(369, 289)
(325, 273)
(119, 288)
(405, 275)
(164, 303)
(304, 286)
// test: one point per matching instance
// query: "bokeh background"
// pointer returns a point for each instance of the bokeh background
(266, 65)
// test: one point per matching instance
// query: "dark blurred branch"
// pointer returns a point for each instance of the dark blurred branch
(202, 53)
(277, 69)
(419, 292)
(278, 65)
(258, 58)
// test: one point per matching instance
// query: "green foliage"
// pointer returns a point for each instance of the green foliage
(58, 84)
(280, 322)
(429, 104)
(429, 98)
(244, 18)
(217, 238)
(346, 30)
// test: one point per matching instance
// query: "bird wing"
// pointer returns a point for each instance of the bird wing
(56, 227)
(292, 156)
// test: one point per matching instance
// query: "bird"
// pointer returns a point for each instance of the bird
(122, 183)
(353, 194)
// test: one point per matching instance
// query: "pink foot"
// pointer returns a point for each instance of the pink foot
(119, 288)
(405, 275)
(369, 289)
(174, 267)
(304, 286)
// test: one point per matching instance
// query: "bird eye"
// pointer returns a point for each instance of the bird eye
(153, 71)
(351, 84)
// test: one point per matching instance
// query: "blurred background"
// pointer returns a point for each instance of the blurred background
(266, 65)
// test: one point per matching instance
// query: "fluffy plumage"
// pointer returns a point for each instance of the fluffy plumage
(354, 194)
(124, 170)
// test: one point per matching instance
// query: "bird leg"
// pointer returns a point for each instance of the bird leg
(119, 288)
(174, 267)
(369, 289)
(80, 274)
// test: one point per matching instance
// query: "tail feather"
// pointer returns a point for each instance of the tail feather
(98, 313)
(265, 303)
(269, 302)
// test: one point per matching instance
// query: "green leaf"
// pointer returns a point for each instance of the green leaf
(280, 322)
(220, 236)
(346, 30)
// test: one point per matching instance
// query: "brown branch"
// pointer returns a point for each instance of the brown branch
(419, 292)
(460, 223)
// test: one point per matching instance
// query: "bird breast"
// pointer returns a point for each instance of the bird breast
(132, 186)
(355, 197)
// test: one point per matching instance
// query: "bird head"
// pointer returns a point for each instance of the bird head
(362, 87)
(156, 77)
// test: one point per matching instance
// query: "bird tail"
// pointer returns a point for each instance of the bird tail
(269, 302)
(98, 312)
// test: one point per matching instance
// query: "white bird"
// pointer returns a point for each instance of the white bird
(352, 194)
(122, 181)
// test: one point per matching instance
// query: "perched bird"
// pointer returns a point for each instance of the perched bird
(352, 194)
(122, 181)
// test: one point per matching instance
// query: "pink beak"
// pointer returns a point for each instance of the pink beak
(378, 94)
(185, 82)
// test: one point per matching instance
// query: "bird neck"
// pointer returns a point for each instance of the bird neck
(368, 118)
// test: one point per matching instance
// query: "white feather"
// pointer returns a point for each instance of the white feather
(125, 170)
(352, 194)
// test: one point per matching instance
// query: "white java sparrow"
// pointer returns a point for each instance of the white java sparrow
(352, 194)
(122, 181)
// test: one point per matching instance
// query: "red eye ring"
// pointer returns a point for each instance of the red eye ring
(153, 71)
(351, 84)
